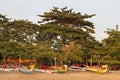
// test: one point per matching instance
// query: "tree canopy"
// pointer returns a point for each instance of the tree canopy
(60, 33)
(112, 44)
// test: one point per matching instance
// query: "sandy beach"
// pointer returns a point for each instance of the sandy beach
(16, 75)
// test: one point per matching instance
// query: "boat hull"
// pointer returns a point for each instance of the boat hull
(99, 70)
(45, 71)
(62, 71)
(26, 70)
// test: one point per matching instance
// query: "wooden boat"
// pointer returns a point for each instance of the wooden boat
(45, 71)
(5, 69)
(61, 71)
(15, 69)
(101, 70)
(76, 68)
(27, 71)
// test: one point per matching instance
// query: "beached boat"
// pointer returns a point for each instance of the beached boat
(76, 68)
(51, 71)
(24, 69)
(45, 71)
(61, 71)
(5, 69)
(15, 69)
(27, 71)
(101, 70)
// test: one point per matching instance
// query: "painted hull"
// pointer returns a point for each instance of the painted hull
(5, 69)
(26, 70)
(61, 71)
(99, 70)
(102, 71)
(75, 68)
(45, 71)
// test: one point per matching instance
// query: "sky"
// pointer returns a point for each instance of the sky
(107, 11)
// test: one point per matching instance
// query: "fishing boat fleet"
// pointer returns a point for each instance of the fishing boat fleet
(62, 69)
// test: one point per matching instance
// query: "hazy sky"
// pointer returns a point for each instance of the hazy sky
(107, 11)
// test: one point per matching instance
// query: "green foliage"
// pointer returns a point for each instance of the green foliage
(35, 41)
(66, 17)
(62, 34)
(7, 49)
(4, 21)
(71, 27)
(112, 45)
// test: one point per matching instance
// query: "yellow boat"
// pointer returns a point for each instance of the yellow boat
(99, 70)
(62, 70)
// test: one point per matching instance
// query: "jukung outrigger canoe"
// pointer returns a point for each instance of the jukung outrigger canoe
(45, 71)
(76, 68)
(62, 69)
(99, 70)
(27, 70)
(5, 69)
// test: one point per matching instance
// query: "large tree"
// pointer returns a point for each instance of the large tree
(112, 45)
(21, 32)
(62, 26)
